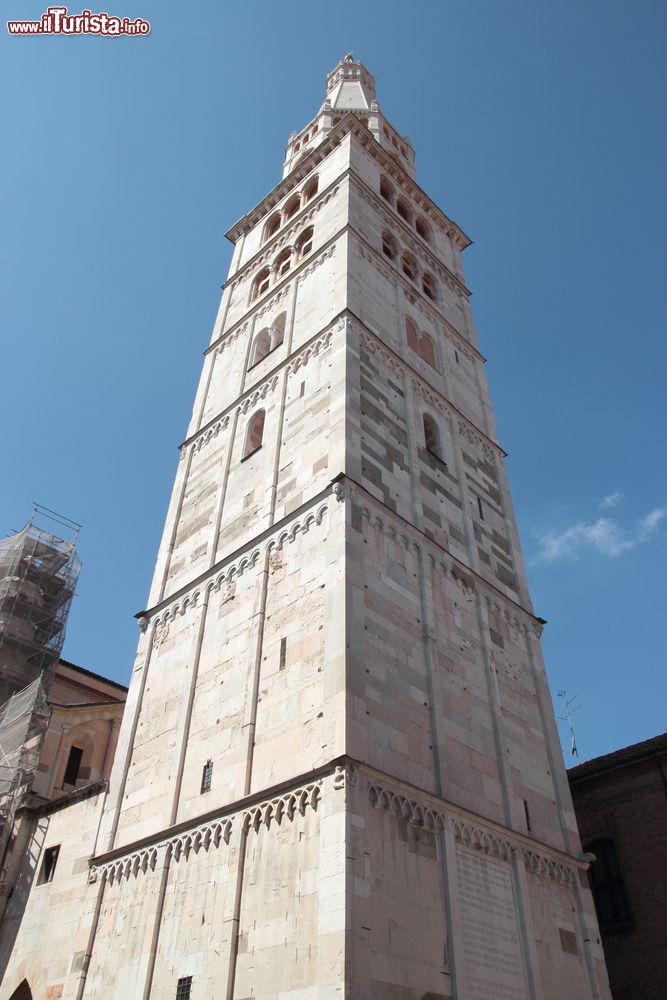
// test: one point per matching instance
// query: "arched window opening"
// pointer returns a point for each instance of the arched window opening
(261, 347)
(291, 208)
(422, 227)
(403, 209)
(261, 282)
(432, 436)
(409, 266)
(428, 285)
(283, 261)
(427, 349)
(611, 902)
(388, 244)
(304, 244)
(278, 330)
(412, 334)
(310, 190)
(386, 190)
(254, 433)
(272, 226)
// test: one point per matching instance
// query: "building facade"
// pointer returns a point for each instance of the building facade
(338, 773)
(620, 802)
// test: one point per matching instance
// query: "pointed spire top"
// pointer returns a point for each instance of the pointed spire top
(350, 87)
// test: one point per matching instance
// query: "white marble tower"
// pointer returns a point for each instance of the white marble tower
(338, 775)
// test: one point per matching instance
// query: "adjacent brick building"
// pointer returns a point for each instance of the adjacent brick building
(621, 805)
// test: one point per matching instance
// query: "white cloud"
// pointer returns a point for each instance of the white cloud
(605, 536)
(612, 500)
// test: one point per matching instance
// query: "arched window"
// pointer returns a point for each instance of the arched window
(278, 330)
(388, 244)
(428, 285)
(272, 226)
(261, 347)
(310, 190)
(254, 433)
(432, 436)
(607, 885)
(304, 244)
(404, 210)
(291, 208)
(427, 349)
(283, 261)
(409, 265)
(422, 227)
(386, 190)
(261, 282)
(412, 334)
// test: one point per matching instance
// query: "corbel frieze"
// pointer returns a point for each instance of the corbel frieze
(285, 806)
(468, 834)
(201, 838)
(226, 577)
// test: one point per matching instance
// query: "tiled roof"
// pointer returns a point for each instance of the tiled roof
(626, 755)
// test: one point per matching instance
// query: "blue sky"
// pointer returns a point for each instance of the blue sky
(538, 127)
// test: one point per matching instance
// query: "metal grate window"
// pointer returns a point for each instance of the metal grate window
(206, 776)
(184, 988)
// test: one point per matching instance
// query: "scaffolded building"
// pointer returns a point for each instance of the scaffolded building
(38, 576)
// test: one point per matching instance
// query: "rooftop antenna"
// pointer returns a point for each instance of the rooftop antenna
(570, 708)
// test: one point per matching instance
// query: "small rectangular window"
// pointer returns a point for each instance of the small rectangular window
(527, 813)
(184, 988)
(73, 766)
(206, 777)
(48, 865)
(480, 508)
(283, 653)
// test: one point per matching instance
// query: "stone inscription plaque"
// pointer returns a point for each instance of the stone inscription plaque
(490, 934)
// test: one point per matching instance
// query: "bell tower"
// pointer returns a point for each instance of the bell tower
(339, 773)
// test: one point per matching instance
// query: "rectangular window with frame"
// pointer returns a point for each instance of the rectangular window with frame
(49, 862)
(206, 777)
(73, 766)
(184, 988)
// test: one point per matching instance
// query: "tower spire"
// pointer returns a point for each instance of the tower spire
(350, 89)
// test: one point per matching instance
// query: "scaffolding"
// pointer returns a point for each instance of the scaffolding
(38, 576)
(24, 720)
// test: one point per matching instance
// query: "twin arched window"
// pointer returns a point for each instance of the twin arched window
(267, 340)
(420, 342)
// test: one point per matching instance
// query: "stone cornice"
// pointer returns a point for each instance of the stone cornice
(419, 247)
(321, 341)
(270, 299)
(397, 528)
(285, 802)
(370, 253)
(400, 367)
(286, 235)
(238, 562)
(348, 125)
(432, 814)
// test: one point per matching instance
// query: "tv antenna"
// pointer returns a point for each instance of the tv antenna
(570, 708)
